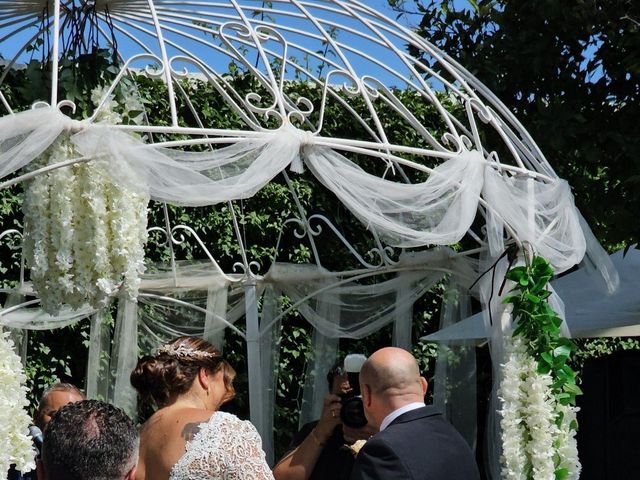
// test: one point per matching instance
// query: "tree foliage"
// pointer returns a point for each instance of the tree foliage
(570, 71)
(61, 355)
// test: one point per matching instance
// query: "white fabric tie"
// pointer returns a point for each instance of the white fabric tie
(303, 138)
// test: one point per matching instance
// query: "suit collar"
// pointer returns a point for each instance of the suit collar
(426, 411)
(400, 411)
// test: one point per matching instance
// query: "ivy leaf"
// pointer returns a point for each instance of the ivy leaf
(545, 294)
(516, 273)
(533, 298)
(573, 388)
(509, 299)
(562, 351)
(546, 356)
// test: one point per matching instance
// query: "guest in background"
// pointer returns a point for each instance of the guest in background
(415, 441)
(54, 397)
(89, 440)
(320, 450)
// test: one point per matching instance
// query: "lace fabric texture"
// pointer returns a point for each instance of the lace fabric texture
(225, 448)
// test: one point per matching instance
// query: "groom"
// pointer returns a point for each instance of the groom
(415, 441)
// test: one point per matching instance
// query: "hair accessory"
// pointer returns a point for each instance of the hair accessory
(184, 351)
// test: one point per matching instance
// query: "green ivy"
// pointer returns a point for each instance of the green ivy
(540, 325)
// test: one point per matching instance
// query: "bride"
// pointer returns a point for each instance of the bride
(187, 437)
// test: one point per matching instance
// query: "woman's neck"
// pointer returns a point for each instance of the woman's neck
(189, 400)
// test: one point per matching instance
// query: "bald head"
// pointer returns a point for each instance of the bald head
(390, 379)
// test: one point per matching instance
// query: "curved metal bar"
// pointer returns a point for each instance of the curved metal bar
(360, 276)
(28, 303)
(10, 232)
(165, 63)
(191, 231)
(194, 307)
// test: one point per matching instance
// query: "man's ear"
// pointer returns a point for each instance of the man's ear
(132, 473)
(366, 395)
(425, 385)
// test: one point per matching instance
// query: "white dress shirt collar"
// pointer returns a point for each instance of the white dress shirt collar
(396, 413)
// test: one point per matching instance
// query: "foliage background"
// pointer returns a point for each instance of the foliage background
(61, 354)
(569, 70)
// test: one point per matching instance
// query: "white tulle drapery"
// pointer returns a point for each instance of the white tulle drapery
(454, 386)
(199, 299)
(541, 214)
(437, 211)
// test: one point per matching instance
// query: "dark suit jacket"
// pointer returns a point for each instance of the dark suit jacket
(418, 445)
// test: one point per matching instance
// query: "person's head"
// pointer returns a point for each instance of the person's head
(90, 440)
(390, 379)
(185, 365)
(54, 397)
(337, 379)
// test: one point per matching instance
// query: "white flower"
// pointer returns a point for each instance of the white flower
(514, 436)
(84, 236)
(356, 446)
(533, 446)
(567, 444)
(16, 446)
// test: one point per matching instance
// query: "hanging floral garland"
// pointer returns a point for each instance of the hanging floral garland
(538, 388)
(84, 235)
(16, 446)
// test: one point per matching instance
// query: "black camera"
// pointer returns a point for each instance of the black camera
(352, 410)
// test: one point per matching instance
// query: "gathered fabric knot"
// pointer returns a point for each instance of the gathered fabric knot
(74, 126)
(69, 124)
(303, 138)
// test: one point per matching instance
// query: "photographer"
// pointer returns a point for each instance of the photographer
(321, 449)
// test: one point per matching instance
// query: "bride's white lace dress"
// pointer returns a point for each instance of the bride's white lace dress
(225, 448)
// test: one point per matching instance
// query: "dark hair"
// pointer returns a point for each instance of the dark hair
(38, 417)
(89, 440)
(336, 370)
(174, 368)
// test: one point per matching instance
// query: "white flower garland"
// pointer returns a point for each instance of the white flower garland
(16, 447)
(533, 446)
(84, 236)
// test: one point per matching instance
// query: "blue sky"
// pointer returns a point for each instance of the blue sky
(363, 66)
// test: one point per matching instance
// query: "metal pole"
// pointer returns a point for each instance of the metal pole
(253, 357)
(54, 53)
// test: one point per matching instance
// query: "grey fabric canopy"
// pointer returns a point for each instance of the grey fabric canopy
(590, 310)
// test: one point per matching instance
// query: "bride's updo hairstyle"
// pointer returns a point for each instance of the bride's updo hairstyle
(175, 366)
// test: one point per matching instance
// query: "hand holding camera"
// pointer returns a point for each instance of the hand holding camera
(330, 418)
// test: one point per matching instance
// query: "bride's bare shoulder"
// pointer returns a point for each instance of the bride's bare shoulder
(182, 422)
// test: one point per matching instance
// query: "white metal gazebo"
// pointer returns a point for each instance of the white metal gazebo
(484, 180)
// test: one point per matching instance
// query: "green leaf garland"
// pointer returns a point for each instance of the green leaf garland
(540, 325)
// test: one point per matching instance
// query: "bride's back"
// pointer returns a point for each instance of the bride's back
(188, 380)
(164, 437)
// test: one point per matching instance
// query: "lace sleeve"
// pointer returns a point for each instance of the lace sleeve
(225, 448)
(242, 450)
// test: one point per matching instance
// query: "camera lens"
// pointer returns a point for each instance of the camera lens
(352, 412)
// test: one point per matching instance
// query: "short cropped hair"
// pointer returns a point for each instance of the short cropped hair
(89, 440)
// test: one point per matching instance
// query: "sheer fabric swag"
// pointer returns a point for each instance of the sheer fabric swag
(438, 211)
(199, 299)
